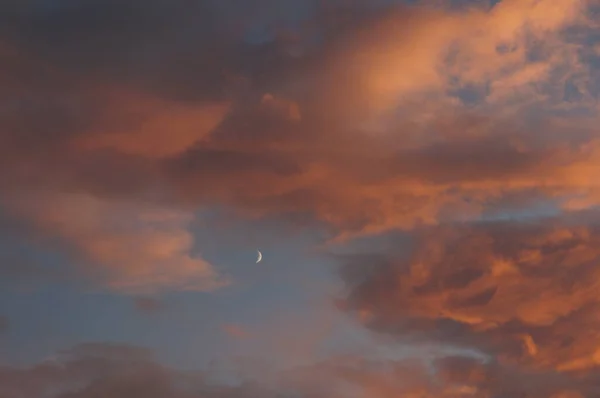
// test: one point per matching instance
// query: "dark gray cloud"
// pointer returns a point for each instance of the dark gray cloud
(177, 48)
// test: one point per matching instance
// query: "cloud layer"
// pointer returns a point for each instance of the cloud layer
(471, 128)
(112, 370)
(371, 129)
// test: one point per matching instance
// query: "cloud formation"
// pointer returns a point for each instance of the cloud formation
(146, 239)
(110, 370)
(522, 293)
(457, 124)
(398, 117)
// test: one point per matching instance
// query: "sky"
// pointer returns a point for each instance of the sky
(421, 178)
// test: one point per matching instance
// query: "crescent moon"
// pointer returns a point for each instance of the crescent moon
(259, 256)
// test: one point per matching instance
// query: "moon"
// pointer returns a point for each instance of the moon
(259, 256)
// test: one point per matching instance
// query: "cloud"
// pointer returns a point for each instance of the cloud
(122, 120)
(364, 132)
(146, 46)
(421, 52)
(128, 245)
(522, 293)
(153, 128)
(367, 186)
(95, 369)
(101, 369)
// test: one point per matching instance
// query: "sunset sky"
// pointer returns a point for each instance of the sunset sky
(422, 178)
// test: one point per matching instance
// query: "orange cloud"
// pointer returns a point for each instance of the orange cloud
(130, 245)
(421, 52)
(524, 293)
(446, 377)
(152, 127)
(369, 187)
(356, 183)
